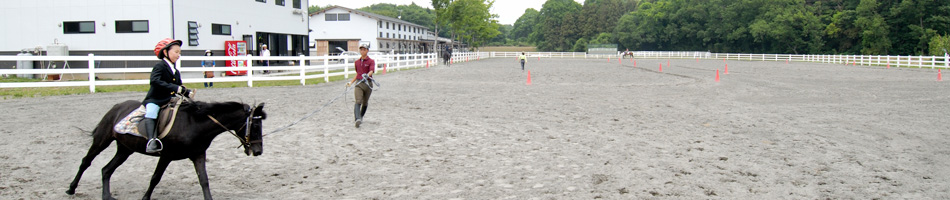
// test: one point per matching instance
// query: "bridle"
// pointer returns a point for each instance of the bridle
(246, 140)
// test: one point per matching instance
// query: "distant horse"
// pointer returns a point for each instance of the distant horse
(446, 57)
(627, 53)
(196, 125)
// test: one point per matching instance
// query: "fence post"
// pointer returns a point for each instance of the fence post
(250, 73)
(303, 80)
(326, 68)
(346, 70)
(946, 60)
(92, 74)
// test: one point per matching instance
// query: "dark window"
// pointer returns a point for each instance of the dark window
(380, 34)
(330, 17)
(79, 27)
(380, 24)
(344, 16)
(192, 33)
(387, 35)
(297, 4)
(279, 2)
(133, 26)
(262, 1)
(220, 29)
(387, 25)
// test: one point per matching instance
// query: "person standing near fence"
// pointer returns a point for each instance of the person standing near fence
(265, 53)
(365, 67)
(523, 58)
(208, 63)
(164, 81)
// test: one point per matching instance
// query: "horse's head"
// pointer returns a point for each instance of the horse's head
(253, 131)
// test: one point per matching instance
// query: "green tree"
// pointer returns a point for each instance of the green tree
(554, 30)
(939, 45)
(874, 30)
(525, 25)
(580, 45)
(468, 20)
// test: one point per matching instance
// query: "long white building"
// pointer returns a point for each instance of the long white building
(347, 28)
(132, 27)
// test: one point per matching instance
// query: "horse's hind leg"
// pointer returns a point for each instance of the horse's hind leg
(157, 176)
(98, 144)
(120, 156)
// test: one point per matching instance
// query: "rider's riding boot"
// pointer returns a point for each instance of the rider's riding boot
(154, 145)
(356, 113)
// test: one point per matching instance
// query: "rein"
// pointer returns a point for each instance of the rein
(247, 127)
(327, 104)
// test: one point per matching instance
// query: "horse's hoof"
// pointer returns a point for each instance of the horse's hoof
(71, 191)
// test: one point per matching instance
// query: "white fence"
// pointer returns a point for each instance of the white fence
(326, 64)
(869, 60)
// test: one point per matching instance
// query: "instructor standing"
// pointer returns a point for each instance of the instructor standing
(365, 67)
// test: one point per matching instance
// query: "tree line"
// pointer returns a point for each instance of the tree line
(898, 27)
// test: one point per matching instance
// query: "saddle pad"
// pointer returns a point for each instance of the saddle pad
(130, 123)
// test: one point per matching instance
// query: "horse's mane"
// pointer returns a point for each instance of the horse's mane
(211, 108)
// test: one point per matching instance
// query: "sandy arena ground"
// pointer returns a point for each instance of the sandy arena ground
(584, 129)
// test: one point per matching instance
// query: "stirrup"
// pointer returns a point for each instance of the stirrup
(160, 145)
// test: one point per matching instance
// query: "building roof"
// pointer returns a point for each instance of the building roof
(368, 14)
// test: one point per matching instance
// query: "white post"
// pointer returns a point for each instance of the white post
(933, 62)
(946, 60)
(250, 73)
(303, 80)
(346, 69)
(326, 68)
(92, 74)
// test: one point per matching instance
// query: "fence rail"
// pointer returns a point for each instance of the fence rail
(306, 64)
(299, 71)
(868, 60)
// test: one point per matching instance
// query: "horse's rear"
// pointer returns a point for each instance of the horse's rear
(102, 137)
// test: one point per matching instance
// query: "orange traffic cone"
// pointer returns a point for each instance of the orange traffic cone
(539, 58)
(668, 63)
(385, 67)
(634, 63)
(939, 75)
(717, 75)
(888, 65)
(529, 78)
(661, 67)
(427, 64)
(727, 69)
(620, 60)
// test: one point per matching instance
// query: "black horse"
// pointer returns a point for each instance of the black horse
(196, 125)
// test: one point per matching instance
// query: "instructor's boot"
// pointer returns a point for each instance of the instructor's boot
(356, 113)
(363, 111)
(154, 145)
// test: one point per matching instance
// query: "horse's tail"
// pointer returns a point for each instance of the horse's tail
(85, 131)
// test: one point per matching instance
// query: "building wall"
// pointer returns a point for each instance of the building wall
(360, 27)
(28, 24)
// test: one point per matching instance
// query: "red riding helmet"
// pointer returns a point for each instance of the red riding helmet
(164, 44)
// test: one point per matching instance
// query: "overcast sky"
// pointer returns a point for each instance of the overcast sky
(508, 10)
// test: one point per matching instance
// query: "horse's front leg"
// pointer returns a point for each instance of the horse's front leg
(157, 176)
(120, 156)
(199, 162)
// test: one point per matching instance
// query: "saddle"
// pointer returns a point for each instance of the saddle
(131, 125)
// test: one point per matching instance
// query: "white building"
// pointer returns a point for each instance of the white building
(348, 28)
(132, 27)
